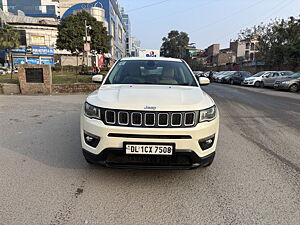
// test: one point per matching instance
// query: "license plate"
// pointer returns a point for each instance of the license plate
(149, 149)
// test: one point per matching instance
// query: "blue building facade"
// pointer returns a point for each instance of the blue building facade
(113, 17)
(33, 8)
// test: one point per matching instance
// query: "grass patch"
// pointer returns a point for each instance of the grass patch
(67, 77)
(6, 78)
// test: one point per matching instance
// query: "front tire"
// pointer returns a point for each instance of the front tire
(293, 88)
(231, 82)
(262, 85)
(257, 84)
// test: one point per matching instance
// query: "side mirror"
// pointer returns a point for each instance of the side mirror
(97, 79)
(204, 81)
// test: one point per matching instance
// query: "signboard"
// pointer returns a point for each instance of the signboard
(42, 50)
(35, 50)
(19, 50)
(34, 75)
(87, 47)
(33, 61)
(149, 53)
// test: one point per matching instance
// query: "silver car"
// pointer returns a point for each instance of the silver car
(270, 78)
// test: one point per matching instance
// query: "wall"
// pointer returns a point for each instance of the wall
(74, 88)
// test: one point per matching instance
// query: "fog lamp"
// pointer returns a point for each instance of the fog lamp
(91, 140)
(207, 142)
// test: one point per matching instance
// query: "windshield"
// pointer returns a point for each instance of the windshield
(295, 75)
(259, 74)
(155, 72)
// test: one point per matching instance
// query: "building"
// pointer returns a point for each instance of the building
(126, 21)
(246, 50)
(113, 19)
(135, 47)
(38, 39)
(224, 57)
(33, 8)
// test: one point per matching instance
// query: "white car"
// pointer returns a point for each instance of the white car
(150, 113)
(261, 79)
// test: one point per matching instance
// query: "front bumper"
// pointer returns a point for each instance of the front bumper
(248, 83)
(116, 158)
(110, 152)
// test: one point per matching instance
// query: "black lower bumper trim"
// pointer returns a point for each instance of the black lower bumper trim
(116, 158)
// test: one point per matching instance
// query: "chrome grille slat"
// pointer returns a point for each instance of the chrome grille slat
(174, 121)
(148, 119)
(189, 119)
(163, 119)
(123, 118)
(110, 116)
(136, 119)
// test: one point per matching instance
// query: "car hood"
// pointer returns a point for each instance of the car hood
(150, 97)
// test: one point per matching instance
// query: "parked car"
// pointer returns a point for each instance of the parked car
(228, 75)
(217, 74)
(198, 73)
(239, 77)
(220, 76)
(256, 79)
(291, 83)
(269, 79)
(150, 113)
(2, 71)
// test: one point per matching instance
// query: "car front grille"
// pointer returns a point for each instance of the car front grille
(146, 119)
(278, 82)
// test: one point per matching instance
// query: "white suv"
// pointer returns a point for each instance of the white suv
(150, 113)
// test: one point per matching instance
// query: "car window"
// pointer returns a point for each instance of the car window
(155, 72)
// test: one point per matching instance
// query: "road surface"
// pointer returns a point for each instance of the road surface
(255, 178)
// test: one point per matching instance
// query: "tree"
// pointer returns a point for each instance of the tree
(175, 45)
(71, 33)
(279, 42)
(9, 38)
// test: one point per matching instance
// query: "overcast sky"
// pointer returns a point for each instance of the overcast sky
(206, 21)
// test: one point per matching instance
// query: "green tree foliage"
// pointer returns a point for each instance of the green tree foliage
(71, 33)
(9, 38)
(175, 45)
(279, 42)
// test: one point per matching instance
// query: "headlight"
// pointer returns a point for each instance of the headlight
(208, 114)
(91, 111)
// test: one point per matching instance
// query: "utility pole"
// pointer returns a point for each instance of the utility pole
(87, 40)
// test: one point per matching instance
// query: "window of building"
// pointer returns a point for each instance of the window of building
(252, 46)
(252, 56)
(247, 55)
(113, 29)
(247, 45)
(120, 33)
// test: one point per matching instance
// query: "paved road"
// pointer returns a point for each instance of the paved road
(254, 179)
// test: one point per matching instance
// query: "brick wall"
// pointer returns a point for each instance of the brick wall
(74, 88)
(35, 88)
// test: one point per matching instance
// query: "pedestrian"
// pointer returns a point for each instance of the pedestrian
(210, 76)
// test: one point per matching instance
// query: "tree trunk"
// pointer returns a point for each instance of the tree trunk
(10, 63)
(77, 69)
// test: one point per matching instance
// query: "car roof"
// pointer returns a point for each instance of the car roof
(151, 58)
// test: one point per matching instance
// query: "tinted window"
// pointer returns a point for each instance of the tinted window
(151, 72)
